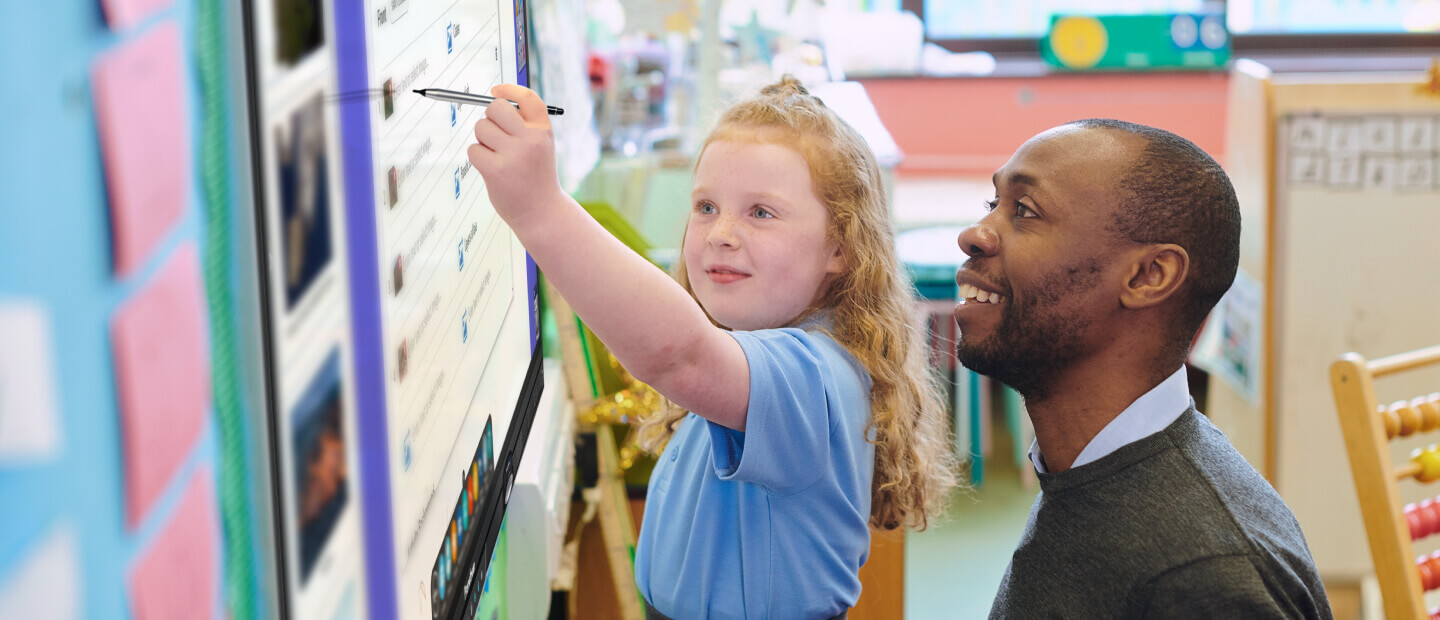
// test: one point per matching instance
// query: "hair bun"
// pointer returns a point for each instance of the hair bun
(787, 86)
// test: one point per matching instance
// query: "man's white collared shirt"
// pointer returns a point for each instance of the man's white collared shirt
(1153, 412)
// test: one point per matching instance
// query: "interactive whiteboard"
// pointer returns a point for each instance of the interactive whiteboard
(415, 361)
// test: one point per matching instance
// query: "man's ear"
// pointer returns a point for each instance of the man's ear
(1158, 271)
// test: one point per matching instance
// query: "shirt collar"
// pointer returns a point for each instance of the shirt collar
(823, 318)
(1151, 413)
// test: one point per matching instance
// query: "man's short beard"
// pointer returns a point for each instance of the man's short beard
(1037, 339)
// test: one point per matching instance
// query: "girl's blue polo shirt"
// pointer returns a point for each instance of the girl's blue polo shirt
(771, 522)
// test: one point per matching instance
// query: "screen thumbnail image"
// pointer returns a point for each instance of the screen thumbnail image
(487, 447)
(389, 98)
(402, 358)
(299, 29)
(318, 451)
(399, 281)
(521, 43)
(302, 180)
(393, 184)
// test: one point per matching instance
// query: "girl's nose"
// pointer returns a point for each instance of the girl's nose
(722, 233)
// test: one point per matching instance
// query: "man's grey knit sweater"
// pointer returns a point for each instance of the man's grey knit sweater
(1175, 525)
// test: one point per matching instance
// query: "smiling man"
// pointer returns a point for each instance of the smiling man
(1106, 246)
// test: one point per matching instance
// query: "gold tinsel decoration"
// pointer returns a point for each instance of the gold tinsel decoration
(626, 406)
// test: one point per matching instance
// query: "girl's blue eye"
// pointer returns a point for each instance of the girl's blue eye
(705, 208)
(762, 213)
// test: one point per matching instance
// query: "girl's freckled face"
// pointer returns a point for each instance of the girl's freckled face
(756, 249)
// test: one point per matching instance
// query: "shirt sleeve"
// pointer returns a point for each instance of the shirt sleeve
(786, 443)
(1216, 587)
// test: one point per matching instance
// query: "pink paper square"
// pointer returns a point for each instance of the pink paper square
(162, 369)
(175, 578)
(144, 137)
(123, 14)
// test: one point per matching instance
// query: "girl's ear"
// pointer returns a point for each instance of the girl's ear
(836, 262)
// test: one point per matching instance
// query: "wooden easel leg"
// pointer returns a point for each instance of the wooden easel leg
(616, 526)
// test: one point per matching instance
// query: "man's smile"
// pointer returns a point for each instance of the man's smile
(976, 294)
(971, 294)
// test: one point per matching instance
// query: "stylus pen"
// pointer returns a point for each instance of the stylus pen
(455, 96)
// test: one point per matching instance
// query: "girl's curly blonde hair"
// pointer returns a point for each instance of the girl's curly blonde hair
(872, 304)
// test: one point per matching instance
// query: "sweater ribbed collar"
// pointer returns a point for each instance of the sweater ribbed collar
(1185, 426)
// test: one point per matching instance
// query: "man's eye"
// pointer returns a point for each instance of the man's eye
(991, 204)
(761, 213)
(1024, 212)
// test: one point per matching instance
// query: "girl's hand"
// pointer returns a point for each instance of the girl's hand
(515, 153)
(645, 318)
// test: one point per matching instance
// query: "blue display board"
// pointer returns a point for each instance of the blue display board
(56, 250)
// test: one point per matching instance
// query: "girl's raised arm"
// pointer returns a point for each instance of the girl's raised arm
(647, 320)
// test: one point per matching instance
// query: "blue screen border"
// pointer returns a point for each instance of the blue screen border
(365, 297)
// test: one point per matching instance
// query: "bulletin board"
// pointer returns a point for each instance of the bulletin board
(1356, 268)
(115, 400)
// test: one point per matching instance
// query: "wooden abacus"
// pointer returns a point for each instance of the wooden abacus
(1368, 428)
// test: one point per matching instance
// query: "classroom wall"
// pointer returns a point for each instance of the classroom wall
(117, 512)
(1356, 269)
(1243, 417)
(970, 126)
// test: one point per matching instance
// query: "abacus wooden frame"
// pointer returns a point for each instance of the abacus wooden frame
(1353, 381)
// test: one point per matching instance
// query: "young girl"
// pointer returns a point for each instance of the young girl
(803, 410)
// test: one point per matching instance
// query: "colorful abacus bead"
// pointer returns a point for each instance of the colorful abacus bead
(1429, 461)
(1409, 418)
(1433, 561)
(1429, 517)
(1391, 423)
(1404, 418)
(1429, 569)
(1423, 518)
(1429, 409)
